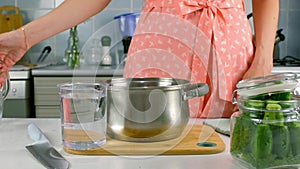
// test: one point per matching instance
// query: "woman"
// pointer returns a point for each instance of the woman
(200, 40)
(204, 41)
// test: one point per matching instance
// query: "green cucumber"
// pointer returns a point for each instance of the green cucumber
(281, 96)
(235, 145)
(273, 106)
(262, 142)
(272, 102)
(241, 136)
(259, 97)
(247, 131)
(281, 141)
(271, 115)
(278, 116)
(287, 105)
(258, 104)
(294, 129)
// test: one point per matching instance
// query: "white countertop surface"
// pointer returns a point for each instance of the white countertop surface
(13, 154)
(282, 69)
(88, 70)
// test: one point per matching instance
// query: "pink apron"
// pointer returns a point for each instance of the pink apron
(207, 41)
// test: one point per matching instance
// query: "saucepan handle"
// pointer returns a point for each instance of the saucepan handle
(195, 90)
(233, 99)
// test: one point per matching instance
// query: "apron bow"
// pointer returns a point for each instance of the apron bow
(191, 6)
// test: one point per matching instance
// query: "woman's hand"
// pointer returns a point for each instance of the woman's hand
(262, 64)
(12, 48)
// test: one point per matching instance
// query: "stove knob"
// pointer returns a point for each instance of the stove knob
(14, 90)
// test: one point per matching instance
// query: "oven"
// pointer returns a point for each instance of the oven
(19, 101)
(287, 64)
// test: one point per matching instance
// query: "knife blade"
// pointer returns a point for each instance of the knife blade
(43, 151)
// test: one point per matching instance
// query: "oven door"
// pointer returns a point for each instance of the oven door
(19, 101)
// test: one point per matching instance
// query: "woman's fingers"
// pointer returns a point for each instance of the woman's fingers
(6, 62)
(4, 69)
(3, 77)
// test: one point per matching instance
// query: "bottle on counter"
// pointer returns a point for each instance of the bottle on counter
(72, 54)
(126, 43)
(94, 54)
(106, 57)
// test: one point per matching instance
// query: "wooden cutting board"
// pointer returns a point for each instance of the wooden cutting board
(10, 18)
(196, 139)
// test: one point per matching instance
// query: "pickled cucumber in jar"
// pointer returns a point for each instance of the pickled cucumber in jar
(266, 131)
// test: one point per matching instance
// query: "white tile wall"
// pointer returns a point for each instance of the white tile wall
(289, 21)
(32, 9)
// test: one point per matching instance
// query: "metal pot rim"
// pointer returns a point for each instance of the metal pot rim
(147, 83)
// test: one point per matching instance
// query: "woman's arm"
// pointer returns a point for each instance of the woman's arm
(14, 44)
(68, 14)
(265, 18)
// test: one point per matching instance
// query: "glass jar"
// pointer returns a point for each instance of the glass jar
(265, 132)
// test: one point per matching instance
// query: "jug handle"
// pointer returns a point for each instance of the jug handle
(195, 90)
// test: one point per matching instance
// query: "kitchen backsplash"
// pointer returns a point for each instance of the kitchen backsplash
(289, 21)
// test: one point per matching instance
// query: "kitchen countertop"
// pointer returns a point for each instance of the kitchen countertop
(281, 69)
(13, 154)
(84, 70)
(88, 70)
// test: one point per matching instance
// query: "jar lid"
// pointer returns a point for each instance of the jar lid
(267, 84)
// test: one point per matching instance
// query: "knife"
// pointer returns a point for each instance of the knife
(43, 151)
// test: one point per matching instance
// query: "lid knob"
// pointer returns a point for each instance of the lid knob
(105, 40)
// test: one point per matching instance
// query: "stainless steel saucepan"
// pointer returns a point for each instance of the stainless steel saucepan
(149, 109)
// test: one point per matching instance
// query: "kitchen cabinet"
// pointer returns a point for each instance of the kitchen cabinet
(46, 97)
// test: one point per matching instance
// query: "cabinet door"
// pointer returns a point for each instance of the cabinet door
(46, 97)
